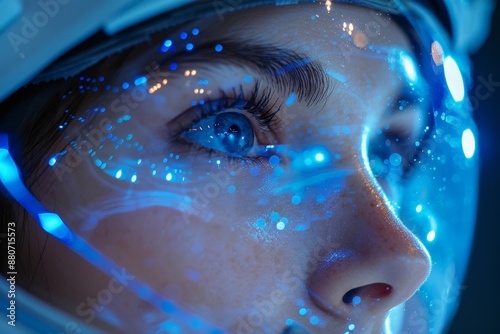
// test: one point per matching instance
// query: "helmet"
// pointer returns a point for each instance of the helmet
(342, 128)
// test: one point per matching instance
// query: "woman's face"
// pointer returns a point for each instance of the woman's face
(253, 177)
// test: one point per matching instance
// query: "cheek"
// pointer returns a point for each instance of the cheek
(192, 263)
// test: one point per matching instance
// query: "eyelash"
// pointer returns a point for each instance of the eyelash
(260, 108)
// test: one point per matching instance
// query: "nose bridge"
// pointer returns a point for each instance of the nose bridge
(381, 264)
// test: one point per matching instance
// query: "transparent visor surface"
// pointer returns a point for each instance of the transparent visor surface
(274, 169)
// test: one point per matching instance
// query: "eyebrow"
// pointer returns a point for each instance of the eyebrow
(289, 71)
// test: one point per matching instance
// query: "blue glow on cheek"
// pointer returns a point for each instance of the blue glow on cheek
(468, 143)
(454, 79)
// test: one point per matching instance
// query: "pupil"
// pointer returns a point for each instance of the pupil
(235, 133)
(234, 128)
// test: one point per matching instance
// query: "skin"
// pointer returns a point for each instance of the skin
(354, 237)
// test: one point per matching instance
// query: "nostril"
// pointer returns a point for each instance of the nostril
(370, 292)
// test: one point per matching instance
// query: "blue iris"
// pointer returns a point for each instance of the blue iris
(227, 132)
(235, 133)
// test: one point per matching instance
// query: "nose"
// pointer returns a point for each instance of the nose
(381, 263)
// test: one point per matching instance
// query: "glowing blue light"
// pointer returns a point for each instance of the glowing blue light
(231, 189)
(118, 174)
(319, 157)
(395, 159)
(173, 66)
(140, 81)
(189, 46)
(260, 223)
(418, 208)
(296, 200)
(274, 216)
(248, 78)
(133, 178)
(184, 35)
(336, 76)
(53, 224)
(356, 300)
(409, 66)
(280, 226)
(218, 48)
(125, 85)
(454, 79)
(8, 171)
(302, 311)
(351, 327)
(431, 235)
(52, 161)
(290, 100)
(468, 143)
(167, 43)
(274, 160)
(169, 177)
(314, 320)
(195, 31)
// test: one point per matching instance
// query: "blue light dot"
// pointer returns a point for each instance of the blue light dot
(248, 78)
(189, 46)
(302, 311)
(356, 300)
(184, 35)
(290, 100)
(52, 161)
(167, 43)
(140, 81)
(192, 275)
(133, 178)
(454, 79)
(314, 320)
(98, 162)
(218, 48)
(195, 31)
(351, 327)
(274, 216)
(274, 160)
(319, 157)
(125, 85)
(468, 143)
(231, 189)
(395, 159)
(118, 174)
(296, 200)
(278, 171)
(260, 223)
(254, 171)
(280, 226)
(173, 66)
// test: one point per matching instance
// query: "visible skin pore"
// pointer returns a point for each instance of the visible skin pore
(239, 267)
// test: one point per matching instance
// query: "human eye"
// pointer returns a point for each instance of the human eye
(238, 124)
(401, 141)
